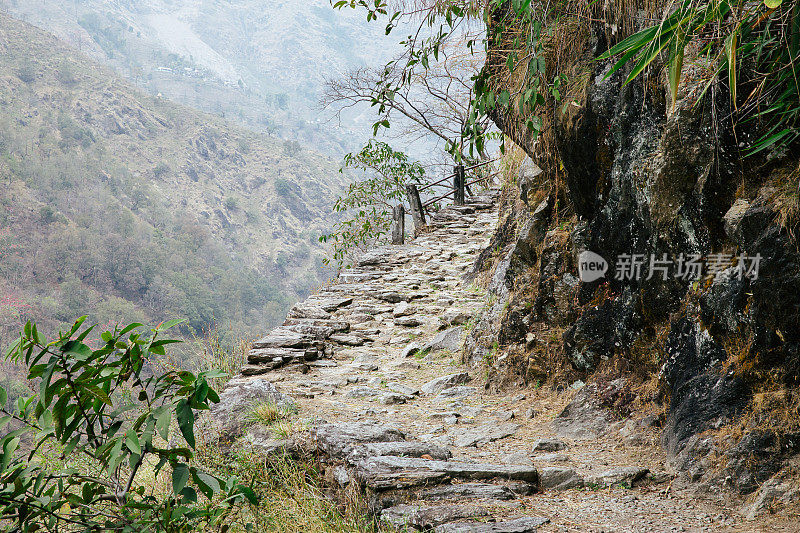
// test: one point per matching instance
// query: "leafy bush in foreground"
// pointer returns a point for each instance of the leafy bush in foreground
(92, 450)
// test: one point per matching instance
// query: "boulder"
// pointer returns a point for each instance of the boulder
(450, 339)
(559, 478)
(437, 385)
(428, 517)
(338, 440)
(239, 396)
(614, 476)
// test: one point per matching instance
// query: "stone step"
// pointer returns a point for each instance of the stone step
(387, 472)
(424, 518)
(478, 491)
(526, 524)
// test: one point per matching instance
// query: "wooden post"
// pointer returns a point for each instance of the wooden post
(398, 224)
(458, 185)
(417, 212)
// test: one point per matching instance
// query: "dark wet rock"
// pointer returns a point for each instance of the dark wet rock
(427, 517)
(338, 440)
(756, 457)
(528, 524)
(702, 396)
(485, 433)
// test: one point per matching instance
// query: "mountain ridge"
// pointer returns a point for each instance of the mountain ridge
(84, 151)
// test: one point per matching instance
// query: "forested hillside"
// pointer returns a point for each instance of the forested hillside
(259, 63)
(132, 208)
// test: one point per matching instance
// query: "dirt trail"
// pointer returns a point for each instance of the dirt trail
(376, 357)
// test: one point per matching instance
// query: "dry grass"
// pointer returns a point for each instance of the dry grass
(292, 498)
(267, 413)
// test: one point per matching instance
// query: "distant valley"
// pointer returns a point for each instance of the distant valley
(135, 208)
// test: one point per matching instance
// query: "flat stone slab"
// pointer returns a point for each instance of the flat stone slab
(477, 491)
(527, 524)
(407, 321)
(450, 339)
(426, 518)
(485, 433)
(338, 326)
(458, 391)
(624, 474)
(548, 445)
(308, 311)
(399, 449)
(347, 340)
(386, 472)
(338, 440)
(559, 478)
(437, 385)
(362, 392)
(330, 304)
(284, 338)
(399, 388)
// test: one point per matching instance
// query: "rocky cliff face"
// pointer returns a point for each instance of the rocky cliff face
(626, 173)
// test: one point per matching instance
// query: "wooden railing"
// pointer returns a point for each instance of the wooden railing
(457, 192)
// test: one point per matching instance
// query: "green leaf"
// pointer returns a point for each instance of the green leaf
(132, 442)
(170, 323)
(185, 417)
(674, 71)
(3, 397)
(730, 55)
(130, 327)
(180, 476)
(98, 393)
(163, 419)
(773, 4)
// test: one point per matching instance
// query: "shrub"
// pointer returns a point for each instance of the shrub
(369, 202)
(286, 188)
(162, 169)
(101, 423)
(291, 148)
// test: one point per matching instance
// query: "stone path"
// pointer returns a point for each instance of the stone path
(373, 364)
